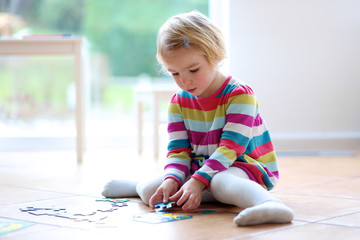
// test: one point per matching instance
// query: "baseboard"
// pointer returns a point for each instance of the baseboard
(312, 142)
(282, 142)
(37, 143)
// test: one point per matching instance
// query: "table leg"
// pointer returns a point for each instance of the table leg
(80, 121)
(140, 125)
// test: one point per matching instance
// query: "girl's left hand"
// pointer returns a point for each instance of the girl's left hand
(190, 194)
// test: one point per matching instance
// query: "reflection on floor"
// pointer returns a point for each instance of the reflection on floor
(322, 190)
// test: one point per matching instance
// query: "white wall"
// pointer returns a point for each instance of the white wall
(302, 57)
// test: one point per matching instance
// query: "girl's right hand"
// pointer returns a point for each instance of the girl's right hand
(168, 188)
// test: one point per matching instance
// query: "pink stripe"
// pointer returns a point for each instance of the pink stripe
(175, 98)
(204, 104)
(247, 171)
(242, 89)
(205, 138)
(240, 118)
(258, 120)
(272, 174)
(215, 165)
(262, 150)
(202, 179)
(177, 166)
(176, 126)
(239, 149)
(211, 104)
(276, 174)
(173, 177)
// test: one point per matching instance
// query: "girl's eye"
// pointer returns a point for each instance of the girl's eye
(174, 74)
(194, 70)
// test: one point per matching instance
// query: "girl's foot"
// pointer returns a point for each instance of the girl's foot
(267, 212)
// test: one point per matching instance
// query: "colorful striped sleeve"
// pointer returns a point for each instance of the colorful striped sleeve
(179, 148)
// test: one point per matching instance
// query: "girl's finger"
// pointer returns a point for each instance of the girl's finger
(184, 197)
(165, 197)
(176, 196)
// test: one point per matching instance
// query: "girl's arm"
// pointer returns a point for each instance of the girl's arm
(179, 149)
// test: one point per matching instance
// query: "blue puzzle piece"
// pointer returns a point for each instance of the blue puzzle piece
(162, 206)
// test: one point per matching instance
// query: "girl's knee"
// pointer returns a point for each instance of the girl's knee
(146, 189)
(219, 182)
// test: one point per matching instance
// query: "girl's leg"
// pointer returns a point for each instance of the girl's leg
(120, 188)
(125, 188)
(147, 188)
(234, 187)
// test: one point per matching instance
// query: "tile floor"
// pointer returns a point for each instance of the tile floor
(324, 193)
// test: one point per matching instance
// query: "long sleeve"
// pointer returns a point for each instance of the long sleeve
(179, 148)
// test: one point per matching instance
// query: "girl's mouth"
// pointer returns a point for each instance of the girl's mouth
(191, 90)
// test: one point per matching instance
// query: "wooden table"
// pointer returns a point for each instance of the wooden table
(65, 46)
(154, 95)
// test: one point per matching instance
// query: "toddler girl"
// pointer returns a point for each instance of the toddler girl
(219, 146)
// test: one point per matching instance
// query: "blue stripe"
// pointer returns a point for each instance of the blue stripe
(226, 90)
(272, 166)
(251, 147)
(258, 141)
(200, 126)
(262, 139)
(269, 185)
(179, 143)
(243, 109)
(185, 94)
(221, 158)
(172, 174)
(236, 137)
(204, 174)
(174, 117)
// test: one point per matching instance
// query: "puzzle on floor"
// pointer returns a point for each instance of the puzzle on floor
(115, 202)
(162, 206)
(204, 211)
(9, 226)
(159, 217)
(89, 215)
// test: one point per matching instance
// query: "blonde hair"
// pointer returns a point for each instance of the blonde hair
(191, 30)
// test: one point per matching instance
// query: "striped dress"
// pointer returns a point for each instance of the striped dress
(209, 135)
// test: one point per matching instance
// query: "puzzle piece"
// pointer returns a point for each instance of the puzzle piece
(84, 213)
(204, 211)
(159, 217)
(42, 212)
(9, 226)
(65, 214)
(162, 206)
(107, 209)
(52, 208)
(112, 200)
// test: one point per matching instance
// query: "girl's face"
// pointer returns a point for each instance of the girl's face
(192, 72)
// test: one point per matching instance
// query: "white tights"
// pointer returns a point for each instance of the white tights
(231, 186)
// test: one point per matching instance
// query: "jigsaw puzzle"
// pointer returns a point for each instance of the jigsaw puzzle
(94, 215)
(9, 226)
(99, 212)
(162, 206)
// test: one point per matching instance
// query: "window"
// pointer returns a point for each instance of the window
(37, 93)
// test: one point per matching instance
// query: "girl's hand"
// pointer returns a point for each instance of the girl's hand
(190, 194)
(166, 189)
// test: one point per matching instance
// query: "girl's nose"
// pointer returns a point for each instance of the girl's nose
(186, 80)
